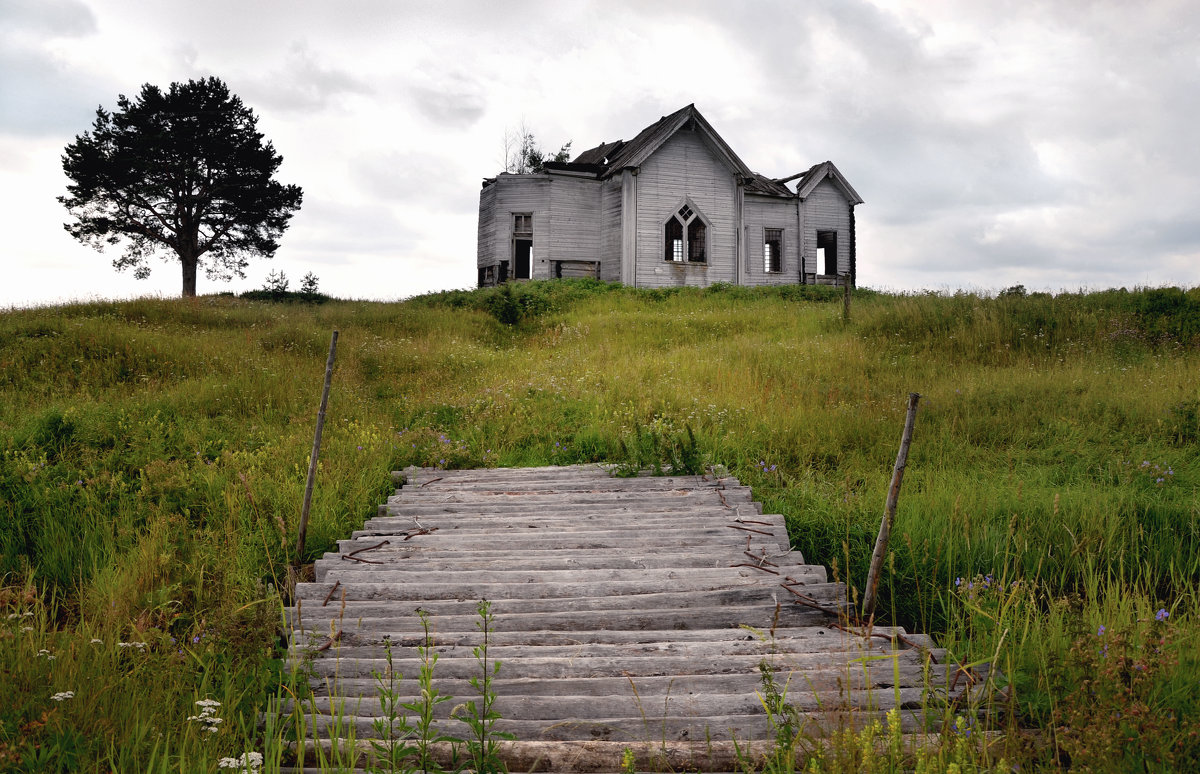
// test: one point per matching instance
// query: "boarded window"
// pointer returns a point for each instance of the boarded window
(773, 250)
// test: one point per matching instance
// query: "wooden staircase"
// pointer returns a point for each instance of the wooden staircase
(628, 612)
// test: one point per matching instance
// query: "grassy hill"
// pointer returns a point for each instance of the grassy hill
(153, 456)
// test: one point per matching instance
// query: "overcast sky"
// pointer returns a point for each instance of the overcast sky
(1048, 144)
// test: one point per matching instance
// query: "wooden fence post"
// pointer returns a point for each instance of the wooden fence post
(889, 510)
(316, 450)
(845, 298)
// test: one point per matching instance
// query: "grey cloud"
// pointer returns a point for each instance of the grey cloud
(453, 101)
(302, 84)
(329, 231)
(69, 18)
(40, 96)
(420, 179)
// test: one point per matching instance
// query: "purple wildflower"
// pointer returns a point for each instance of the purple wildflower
(1161, 615)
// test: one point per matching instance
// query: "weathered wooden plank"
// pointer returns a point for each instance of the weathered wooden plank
(461, 664)
(656, 726)
(824, 678)
(428, 591)
(544, 638)
(876, 653)
(433, 560)
(633, 701)
(699, 618)
(361, 600)
(600, 538)
(354, 572)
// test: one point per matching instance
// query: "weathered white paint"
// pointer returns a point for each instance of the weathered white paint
(685, 165)
(610, 222)
(610, 230)
(629, 212)
(574, 222)
(761, 213)
(826, 209)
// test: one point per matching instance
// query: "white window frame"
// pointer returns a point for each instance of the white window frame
(767, 253)
(686, 213)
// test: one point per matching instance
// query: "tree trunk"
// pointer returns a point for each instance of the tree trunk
(189, 275)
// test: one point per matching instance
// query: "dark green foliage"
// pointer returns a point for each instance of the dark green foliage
(184, 172)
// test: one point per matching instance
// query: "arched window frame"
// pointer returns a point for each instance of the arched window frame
(686, 213)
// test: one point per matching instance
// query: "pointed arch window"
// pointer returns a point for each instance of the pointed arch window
(686, 236)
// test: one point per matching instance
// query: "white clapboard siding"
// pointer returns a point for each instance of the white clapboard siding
(685, 166)
(610, 230)
(522, 193)
(763, 212)
(574, 219)
(486, 249)
(826, 209)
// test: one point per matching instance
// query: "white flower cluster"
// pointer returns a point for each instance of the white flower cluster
(63, 695)
(26, 614)
(207, 718)
(43, 653)
(96, 641)
(250, 762)
(138, 645)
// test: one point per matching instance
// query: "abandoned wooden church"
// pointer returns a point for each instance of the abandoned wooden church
(673, 206)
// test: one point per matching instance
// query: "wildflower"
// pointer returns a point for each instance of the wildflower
(141, 646)
(62, 696)
(26, 628)
(958, 581)
(96, 641)
(207, 718)
(1161, 615)
(45, 653)
(1100, 631)
(248, 761)
(360, 449)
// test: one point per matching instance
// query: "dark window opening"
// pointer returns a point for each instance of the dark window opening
(696, 241)
(522, 258)
(482, 277)
(503, 275)
(674, 246)
(773, 250)
(522, 224)
(827, 252)
(685, 237)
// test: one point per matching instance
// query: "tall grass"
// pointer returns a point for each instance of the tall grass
(152, 459)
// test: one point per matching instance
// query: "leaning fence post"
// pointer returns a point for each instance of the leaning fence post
(316, 449)
(889, 510)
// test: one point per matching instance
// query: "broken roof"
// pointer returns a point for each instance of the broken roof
(608, 158)
(615, 156)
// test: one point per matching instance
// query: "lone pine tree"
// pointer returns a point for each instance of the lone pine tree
(183, 173)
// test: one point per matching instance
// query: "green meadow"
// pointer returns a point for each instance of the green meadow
(153, 456)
